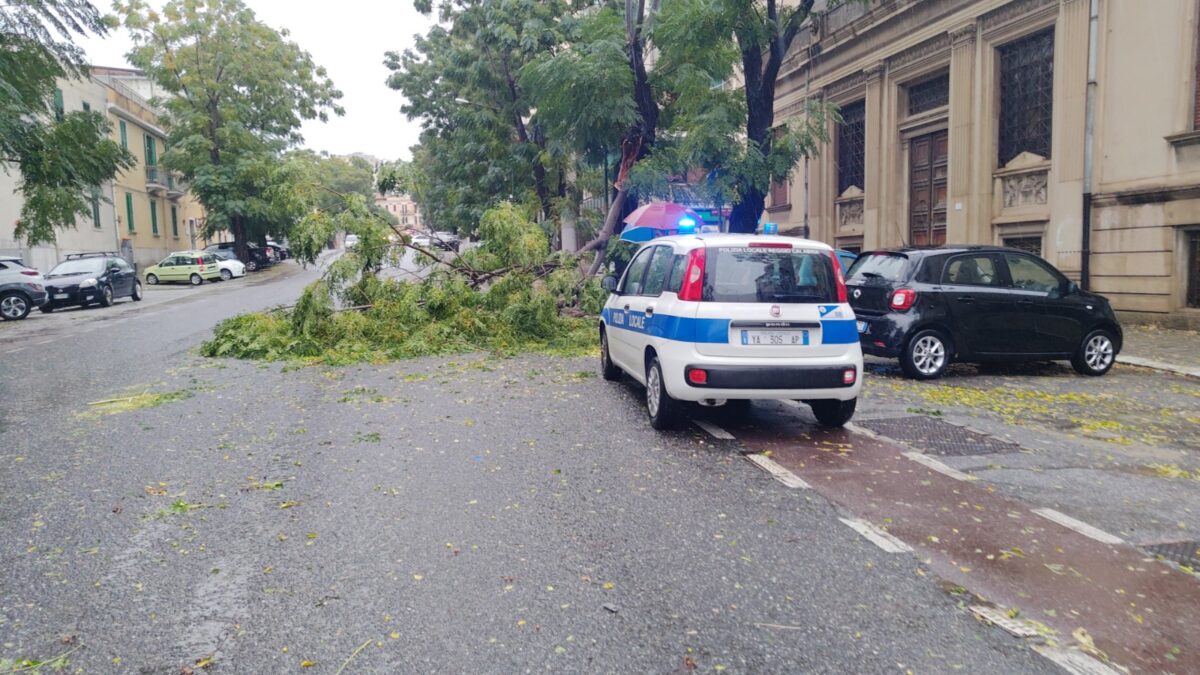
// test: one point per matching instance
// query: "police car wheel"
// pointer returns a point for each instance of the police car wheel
(662, 409)
(608, 369)
(833, 413)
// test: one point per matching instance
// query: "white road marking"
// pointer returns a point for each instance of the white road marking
(1076, 662)
(714, 430)
(1079, 526)
(929, 462)
(14, 351)
(997, 617)
(44, 342)
(877, 536)
(778, 472)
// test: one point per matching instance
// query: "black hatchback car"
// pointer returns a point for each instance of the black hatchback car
(91, 279)
(929, 307)
(257, 258)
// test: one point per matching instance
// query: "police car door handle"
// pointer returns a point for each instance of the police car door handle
(626, 308)
(650, 310)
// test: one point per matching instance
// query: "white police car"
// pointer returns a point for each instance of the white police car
(729, 317)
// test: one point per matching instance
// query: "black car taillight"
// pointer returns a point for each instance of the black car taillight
(902, 299)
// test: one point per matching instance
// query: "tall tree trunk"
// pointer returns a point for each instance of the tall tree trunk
(638, 141)
(760, 77)
(238, 228)
(760, 117)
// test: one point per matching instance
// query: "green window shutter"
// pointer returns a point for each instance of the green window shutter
(174, 223)
(129, 211)
(96, 208)
(59, 110)
(154, 217)
(124, 136)
(151, 155)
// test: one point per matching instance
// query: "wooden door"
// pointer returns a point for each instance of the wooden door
(927, 170)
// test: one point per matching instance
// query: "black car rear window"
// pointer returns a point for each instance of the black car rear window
(781, 275)
(887, 266)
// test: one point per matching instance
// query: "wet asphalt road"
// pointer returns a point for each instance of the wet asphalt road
(439, 515)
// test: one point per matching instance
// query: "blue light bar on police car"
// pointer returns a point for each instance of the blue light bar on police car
(687, 225)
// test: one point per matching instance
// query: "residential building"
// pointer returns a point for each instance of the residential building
(144, 213)
(96, 231)
(1031, 123)
(154, 211)
(403, 207)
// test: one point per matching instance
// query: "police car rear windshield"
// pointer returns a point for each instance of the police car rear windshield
(776, 275)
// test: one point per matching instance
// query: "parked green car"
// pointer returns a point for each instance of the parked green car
(192, 267)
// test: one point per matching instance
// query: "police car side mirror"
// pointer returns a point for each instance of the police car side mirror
(609, 283)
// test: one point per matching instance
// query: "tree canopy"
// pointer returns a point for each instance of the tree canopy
(63, 157)
(239, 90)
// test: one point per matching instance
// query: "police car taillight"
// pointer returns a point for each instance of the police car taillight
(693, 276)
(839, 279)
(849, 375)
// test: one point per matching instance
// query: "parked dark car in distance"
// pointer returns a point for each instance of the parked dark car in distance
(21, 289)
(930, 307)
(447, 241)
(91, 279)
(256, 257)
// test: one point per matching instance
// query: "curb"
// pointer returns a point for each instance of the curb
(1158, 365)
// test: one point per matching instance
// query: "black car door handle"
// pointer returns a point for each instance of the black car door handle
(965, 298)
(650, 311)
(626, 308)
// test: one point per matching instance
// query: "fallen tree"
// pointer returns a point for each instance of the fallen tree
(510, 294)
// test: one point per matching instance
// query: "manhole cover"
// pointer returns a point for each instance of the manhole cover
(1179, 552)
(936, 437)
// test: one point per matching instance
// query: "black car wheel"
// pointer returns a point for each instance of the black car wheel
(151, 279)
(14, 306)
(608, 369)
(106, 296)
(251, 265)
(926, 356)
(195, 280)
(137, 291)
(226, 275)
(833, 413)
(662, 409)
(1096, 354)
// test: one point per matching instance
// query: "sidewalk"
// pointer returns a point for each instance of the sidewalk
(1176, 351)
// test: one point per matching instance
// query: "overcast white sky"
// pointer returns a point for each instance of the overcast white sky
(349, 38)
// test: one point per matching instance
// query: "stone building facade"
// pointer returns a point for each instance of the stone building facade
(980, 121)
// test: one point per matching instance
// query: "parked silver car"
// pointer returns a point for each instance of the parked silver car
(21, 289)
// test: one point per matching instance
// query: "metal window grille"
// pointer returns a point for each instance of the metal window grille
(930, 94)
(851, 142)
(1027, 244)
(1193, 263)
(1026, 95)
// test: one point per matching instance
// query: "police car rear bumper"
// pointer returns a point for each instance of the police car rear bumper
(770, 377)
(763, 378)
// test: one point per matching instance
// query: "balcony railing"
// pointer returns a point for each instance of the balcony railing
(159, 179)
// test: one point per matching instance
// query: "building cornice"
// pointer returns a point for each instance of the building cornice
(126, 115)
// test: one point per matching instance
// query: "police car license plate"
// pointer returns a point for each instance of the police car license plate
(775, 337)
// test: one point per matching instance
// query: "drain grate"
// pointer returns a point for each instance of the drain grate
(1179, 552)
(937, 437)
